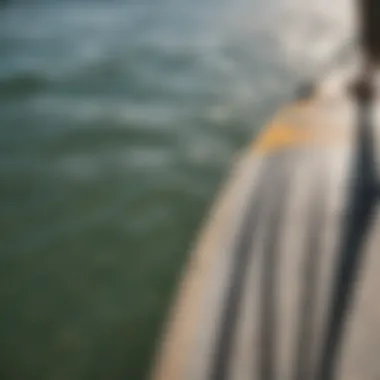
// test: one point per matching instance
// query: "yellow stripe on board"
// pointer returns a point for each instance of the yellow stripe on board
(299, 125)
(289, 129)
(281, 136)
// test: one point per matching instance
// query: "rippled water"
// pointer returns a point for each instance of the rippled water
(118, 120)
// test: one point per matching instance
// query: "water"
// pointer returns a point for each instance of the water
(118, 121)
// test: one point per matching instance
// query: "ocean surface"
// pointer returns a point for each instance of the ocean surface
(119, 121)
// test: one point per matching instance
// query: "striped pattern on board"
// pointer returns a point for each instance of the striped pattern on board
(257, 300)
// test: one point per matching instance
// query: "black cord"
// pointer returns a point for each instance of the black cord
(359, 215)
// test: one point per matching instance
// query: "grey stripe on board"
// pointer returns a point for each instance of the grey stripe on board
(269, 277)
(225, 335)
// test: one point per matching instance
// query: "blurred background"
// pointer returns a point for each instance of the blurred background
(119, 121)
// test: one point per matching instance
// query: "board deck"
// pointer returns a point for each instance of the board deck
(255, 299)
